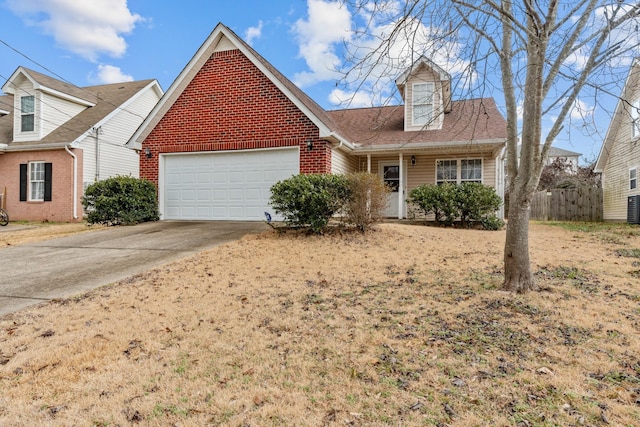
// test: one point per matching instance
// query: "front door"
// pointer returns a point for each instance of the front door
(390, 173)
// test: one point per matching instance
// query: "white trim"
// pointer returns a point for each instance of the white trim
(462, 144)
(458, 161)
(635, 178)
(431, 87)
(30, 181)
(402, 181)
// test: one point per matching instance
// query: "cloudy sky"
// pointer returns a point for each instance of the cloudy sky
(106, 41)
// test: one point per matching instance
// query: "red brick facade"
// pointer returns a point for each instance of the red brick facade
(231, 105)
(60, 208)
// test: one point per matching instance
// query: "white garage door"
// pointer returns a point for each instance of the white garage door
(230, 185)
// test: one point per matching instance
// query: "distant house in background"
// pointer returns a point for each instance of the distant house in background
(619, 158)
(570, 157)
(231, 125)
(56, 139)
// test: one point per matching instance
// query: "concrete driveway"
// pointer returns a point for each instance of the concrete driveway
(68, 266)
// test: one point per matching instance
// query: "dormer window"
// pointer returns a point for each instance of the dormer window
(27, 111)
(422, 103)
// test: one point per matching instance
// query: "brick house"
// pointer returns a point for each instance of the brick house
(56, 139)
(231, 125)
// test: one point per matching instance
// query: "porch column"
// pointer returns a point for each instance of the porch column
(401, 187)
(369, 163)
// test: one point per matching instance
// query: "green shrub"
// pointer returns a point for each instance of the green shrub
(309, 200)
(476, 202)
(471, 202)
(491, 222)
(439, 200)
(367, 199)
(120, 200)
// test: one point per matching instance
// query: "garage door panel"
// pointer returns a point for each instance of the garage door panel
(224, 185)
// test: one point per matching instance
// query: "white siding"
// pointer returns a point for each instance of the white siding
(342, 163)
(424, 75)
(55, 112)
(24, 87)
(115, 158)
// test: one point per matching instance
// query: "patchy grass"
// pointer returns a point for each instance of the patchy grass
(406, 325)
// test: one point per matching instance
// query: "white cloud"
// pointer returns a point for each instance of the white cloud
(350, 99)
(328, 25)
(111, 74)
(87, 28)
(581, 110)
(253, 33)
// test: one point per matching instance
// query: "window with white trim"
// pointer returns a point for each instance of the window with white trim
(27, 113)
(633, 178)
(422, 103)
(454, 171)
(36, 181)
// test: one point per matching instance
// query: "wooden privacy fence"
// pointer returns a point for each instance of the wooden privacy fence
(580, 204)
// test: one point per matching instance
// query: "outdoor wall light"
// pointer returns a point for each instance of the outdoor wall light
(309, 145)
(413, 160)
(147, 152)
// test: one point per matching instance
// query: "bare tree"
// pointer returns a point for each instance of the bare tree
(547, 54)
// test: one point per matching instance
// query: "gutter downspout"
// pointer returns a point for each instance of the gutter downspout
(75, 181)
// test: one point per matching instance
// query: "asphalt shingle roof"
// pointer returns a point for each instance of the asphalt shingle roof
(469, 120)
(107, 98)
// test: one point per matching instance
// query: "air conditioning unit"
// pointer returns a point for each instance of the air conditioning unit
(633, 209)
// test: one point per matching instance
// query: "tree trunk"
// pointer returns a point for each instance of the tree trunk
(517, 269)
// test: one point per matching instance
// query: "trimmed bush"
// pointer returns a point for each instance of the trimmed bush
(439, 200)
(367, 200)
(470, 202)
(476, 202)
(310, 200)
(121, 200)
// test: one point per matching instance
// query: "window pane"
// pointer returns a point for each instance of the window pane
(36, 181)
(27, 123)
(37, 191)
(422, 93)
(447, 170)
(471, 170)
(392, 177)
(27, 104)
(422, 114)
(633, 179)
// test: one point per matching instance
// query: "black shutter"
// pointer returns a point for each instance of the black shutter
(23, 182)
(48, 172)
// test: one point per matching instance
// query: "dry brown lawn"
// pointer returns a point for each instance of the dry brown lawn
(405, 325)
(34, 231)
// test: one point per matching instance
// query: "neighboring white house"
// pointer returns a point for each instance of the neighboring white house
(619, 158)
(571, 157)
(57, 138)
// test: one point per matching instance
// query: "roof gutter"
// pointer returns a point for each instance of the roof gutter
(39, 147)
(334, 138)
(428, 145)
(75, 181)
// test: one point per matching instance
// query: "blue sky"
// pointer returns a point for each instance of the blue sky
(106, 41)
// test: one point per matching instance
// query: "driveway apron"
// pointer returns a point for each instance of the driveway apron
(67, 266)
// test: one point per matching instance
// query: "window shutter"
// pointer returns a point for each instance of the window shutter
(23, 182)
(48, 172)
